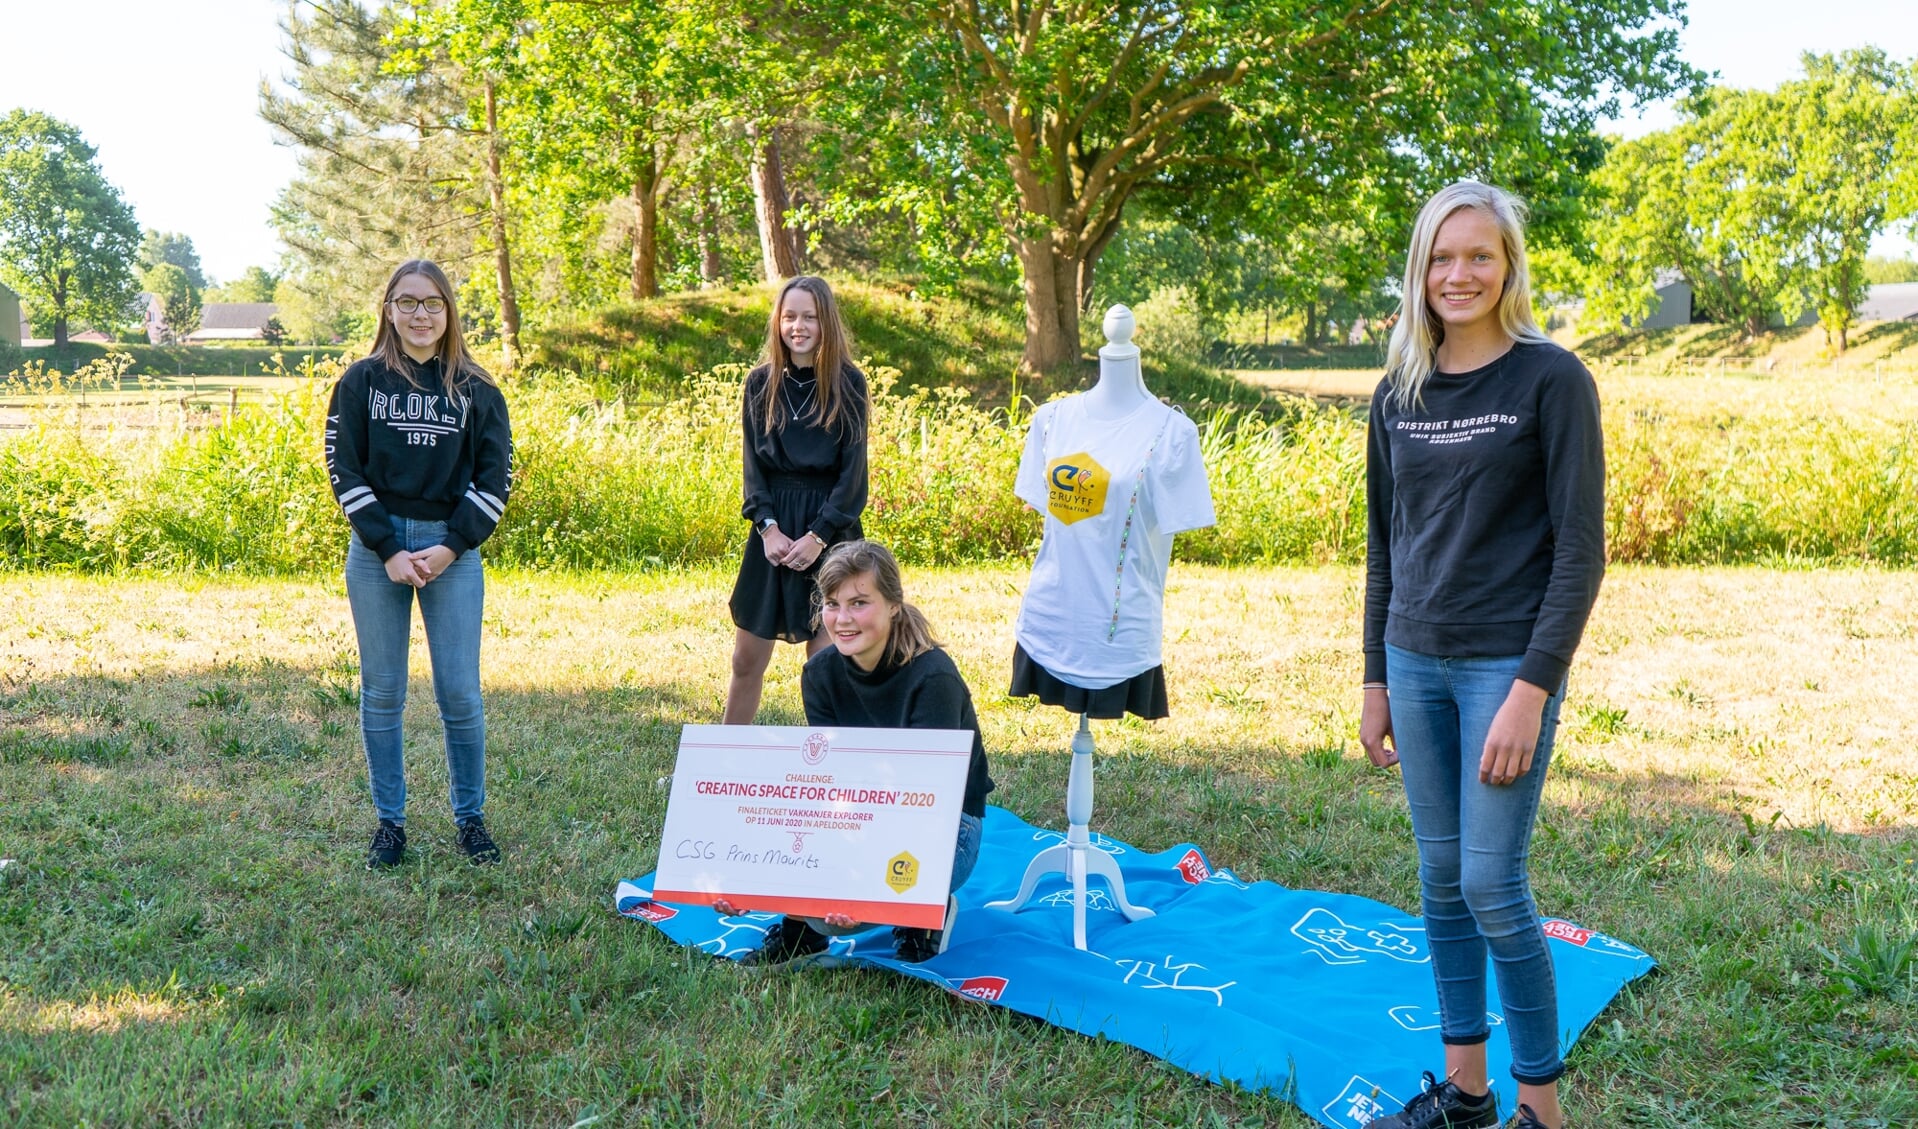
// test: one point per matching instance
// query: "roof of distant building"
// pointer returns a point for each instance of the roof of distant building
(1890, 301)
(236, 315)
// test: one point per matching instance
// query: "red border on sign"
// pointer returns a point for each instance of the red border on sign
(873, 913)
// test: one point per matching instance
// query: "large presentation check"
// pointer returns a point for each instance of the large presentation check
(810, 821)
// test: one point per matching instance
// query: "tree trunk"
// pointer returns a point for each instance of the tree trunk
(60, 330)
(646, 228)
(502, 257)
(1052, 303)
(711, 268)
(770, 201)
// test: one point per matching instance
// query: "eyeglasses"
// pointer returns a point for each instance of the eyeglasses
(410, 305)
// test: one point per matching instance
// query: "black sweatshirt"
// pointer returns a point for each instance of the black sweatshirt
(925, 693)
(400, 447)
(804, 449)
(1486, 515)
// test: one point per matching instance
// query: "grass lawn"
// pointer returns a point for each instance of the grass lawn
(187, 935)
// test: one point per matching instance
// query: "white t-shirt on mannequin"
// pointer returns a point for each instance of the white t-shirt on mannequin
(1113, 492)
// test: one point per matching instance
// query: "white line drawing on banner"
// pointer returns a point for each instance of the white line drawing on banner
(1099, 842)
(1148, 976)
(757, 925)
(1227, 878)
(1340, 942)
(1417, 1017)
(1359, 1103)
(1096, 899)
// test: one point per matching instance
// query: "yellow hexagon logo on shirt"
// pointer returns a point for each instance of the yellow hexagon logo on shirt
(902, 872)
(1075, 487)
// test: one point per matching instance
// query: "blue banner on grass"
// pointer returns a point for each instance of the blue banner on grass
(1324, 998)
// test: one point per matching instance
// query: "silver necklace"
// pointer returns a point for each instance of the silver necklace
(785, 391)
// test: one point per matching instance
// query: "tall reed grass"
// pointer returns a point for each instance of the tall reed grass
(610, 485)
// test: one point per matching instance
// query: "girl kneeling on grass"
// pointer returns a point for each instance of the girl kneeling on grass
(1485, 486)
(804, 416)
(884, 670)
(419, 449)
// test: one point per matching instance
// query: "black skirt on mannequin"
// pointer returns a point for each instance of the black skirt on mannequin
(1142, 694)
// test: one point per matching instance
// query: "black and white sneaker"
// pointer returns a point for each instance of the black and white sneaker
(476, 844)
(791, 939)
(1527, 1119)
(389, 846)
(1442, 1106)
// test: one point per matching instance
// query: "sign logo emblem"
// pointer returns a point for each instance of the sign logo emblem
(815, 748)
(1192, 867)
(651, 911)
(1566, 931)
(988, 988)
(902, 872)
(1076, 487)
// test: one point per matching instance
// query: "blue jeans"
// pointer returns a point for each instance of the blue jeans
(451, 606)
(965, 856)
(1473, 842)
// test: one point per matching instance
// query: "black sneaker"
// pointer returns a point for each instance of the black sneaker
(389, 846)
(1441, 1106)
(910, 945)
(476, 844)
(1527, 1119)
(791, 939)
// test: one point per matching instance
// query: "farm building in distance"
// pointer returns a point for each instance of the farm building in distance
(233, 321)
(13, 325)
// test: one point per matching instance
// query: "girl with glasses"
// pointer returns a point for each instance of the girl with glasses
(804, 417)
(419, 451)
(1485, 493)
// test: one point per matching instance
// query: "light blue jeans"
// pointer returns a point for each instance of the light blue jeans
(1473, 842)
(965, 856)
(451, 605)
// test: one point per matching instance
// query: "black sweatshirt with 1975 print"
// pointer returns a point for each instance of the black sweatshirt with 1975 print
(406, 448)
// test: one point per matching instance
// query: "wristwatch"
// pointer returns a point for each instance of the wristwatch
(769, 523)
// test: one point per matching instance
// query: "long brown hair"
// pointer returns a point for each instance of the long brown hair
(836, 402)
(911, 635)
(456, 363)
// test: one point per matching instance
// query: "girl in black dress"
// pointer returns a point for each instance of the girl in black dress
(804, 415)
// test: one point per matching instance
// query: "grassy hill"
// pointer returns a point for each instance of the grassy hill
(1876, 347)
(972, 341)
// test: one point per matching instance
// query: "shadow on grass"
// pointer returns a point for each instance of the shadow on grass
(1889, 336)
(188, 914)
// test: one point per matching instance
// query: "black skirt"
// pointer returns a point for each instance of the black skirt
(1142, 694)
(772, 601)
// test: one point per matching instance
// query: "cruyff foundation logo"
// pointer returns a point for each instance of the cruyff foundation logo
(902, 872)
(815, 748)
(1360, 1103)
(1076, 487)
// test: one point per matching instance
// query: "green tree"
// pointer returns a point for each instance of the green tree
(1679, 201)
(67, 239)
(255, 284)
(180, 300)
(1880, 270)
(158, 247)
(1828, 159)
(1053, 116)
(388, 169)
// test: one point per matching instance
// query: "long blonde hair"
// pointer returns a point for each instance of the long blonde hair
(456, 363)
(1412, 354)
(836, 402)
(911, 635)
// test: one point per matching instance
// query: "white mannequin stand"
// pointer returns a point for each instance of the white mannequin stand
(1120, 391)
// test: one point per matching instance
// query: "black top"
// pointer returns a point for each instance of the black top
(395, 446)
(1485, 513)
(802, 450)
(926, 693)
